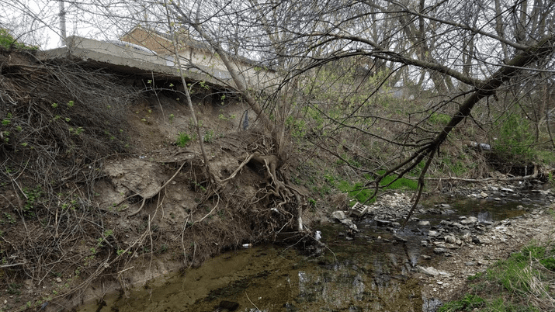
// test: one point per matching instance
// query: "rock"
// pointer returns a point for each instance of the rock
(424, 243)
(480, 240)
(228, 305)
(493, 188)
(440, 251)
(431, 271)
(58, 280)
(487, 222)
(448, 212)
(424, 223)
(508, 190)
(439, 244)
(338, 215)
(450, 239)
(466, 237)
(428, 271)
(395, 224)
(382, 222)
(445, 206)
(433, 234)
(426, 257)
(470, 263)
(347, 221)
(469, 220)
(399, 238)
(483, 194)
(497, 199)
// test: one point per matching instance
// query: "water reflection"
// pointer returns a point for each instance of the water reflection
(371, 273)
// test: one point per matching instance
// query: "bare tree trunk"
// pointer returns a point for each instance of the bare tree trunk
(188, 97)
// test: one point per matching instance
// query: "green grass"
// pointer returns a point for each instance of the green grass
(402, 183)
(468, 303)
(519, 283)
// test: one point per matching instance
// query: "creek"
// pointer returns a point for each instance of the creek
(371, 272)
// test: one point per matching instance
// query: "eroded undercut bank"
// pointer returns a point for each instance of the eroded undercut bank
(95, 187)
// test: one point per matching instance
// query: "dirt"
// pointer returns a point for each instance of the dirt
(508, 237)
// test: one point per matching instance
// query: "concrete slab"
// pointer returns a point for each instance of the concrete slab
(132, 61)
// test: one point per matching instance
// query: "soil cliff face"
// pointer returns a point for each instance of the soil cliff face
(103, 180)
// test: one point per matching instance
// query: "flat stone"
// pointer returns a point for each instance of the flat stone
(338, 215)
(426, 257)
(382, 222)
(399, 238)
(424, 243)
(440, 251)
(469, 220)
(470, 263)
(428, 271)
(424, 223)
(347, 221)
(433, 234)
(445, 206)
(508, 190)
(483, 194)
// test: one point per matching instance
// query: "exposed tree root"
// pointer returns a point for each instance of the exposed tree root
(158, 191)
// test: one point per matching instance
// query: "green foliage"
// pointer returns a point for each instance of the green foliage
(515, 140)
(183, 139)
(440, 119)
(209, 136)
(296, 126)
(468, 303)
(7, 41)
(33, 196)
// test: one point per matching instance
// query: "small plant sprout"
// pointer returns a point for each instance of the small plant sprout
(70, 104)
(182, 139)
(172, 117)
(54, 105)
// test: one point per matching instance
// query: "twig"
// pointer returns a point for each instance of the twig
(252, 302)
(158, 191)
(210, 210)
(246, 161)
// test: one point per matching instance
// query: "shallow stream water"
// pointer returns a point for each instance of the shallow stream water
(370, 273)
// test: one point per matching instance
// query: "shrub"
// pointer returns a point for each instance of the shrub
(7, 41)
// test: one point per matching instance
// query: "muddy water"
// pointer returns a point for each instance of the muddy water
(370, 273)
